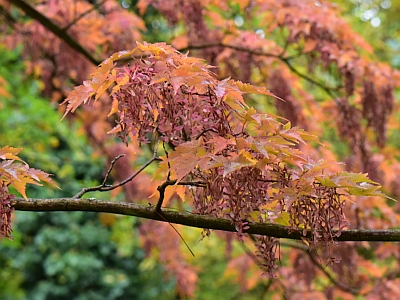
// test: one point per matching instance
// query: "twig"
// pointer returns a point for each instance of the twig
(8, 17)
(169, 165)
(162, 187)
(111, 167)
(161, 190)
(183, 240)
(95, 6)
(327, 89)
(237, 48)
(102, 185)
(337, 283)
(255, 259)
(103, 188)
(285, 60)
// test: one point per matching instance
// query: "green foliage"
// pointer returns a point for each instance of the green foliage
(30, 122)
(72, 256)
(63, 255)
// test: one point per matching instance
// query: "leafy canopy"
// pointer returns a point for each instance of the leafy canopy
(247, 163)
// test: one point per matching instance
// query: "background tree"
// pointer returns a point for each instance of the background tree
(305, 53)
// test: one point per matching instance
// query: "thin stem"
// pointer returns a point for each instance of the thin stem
(95, 6)
(337, 283)
(183, 240)
(327, 89)
(111, 167)
(162, 187)
(285, 60)
(103, 188)
(103, 184)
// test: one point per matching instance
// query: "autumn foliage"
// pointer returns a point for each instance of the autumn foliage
(15, 173)
(243, 165)
(198, 103)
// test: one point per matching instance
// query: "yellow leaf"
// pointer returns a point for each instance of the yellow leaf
(283, 219)
(121, 81)
(114, 107)
(20, 185)
(7, 152)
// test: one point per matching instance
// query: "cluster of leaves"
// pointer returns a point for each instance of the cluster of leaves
(308, 33)
(304, 51)
(16, 173)
(246, 163)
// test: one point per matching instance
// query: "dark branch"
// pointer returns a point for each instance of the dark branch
(285, 60)
(104, 188)
(161, 189)
(103, 184)
(46, 22)
(237, 48)
(327, 89)
(95, 6)
(192, 220)
(337, 283)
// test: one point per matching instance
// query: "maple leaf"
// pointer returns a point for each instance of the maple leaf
(19, 175)
(220, 143)
(7, 152)
(80, 94)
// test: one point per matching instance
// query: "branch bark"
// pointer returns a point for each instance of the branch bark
(189, 219)
(50, 25)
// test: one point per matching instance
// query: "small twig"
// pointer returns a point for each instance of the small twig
(103, 188)
(286, 43)
(306, 249)
(183, 240)
(205, 131)
(11, 21)
(337, 283)
(111, 167)
(237, 48)
(95, 6)
(268, 180)
(192, 183)
(169, 165)
(327, 89)
(102, 185)
(285, 60)
(161, 189)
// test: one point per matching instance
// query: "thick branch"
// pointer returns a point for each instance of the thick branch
(189, 219)
(46, 22)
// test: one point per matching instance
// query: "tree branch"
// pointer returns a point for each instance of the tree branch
(331, 278)
(94, 7)
(59, 32)
(327, 89)
(104, 188)
(285, 60)
(189, 219)
(162, 187)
